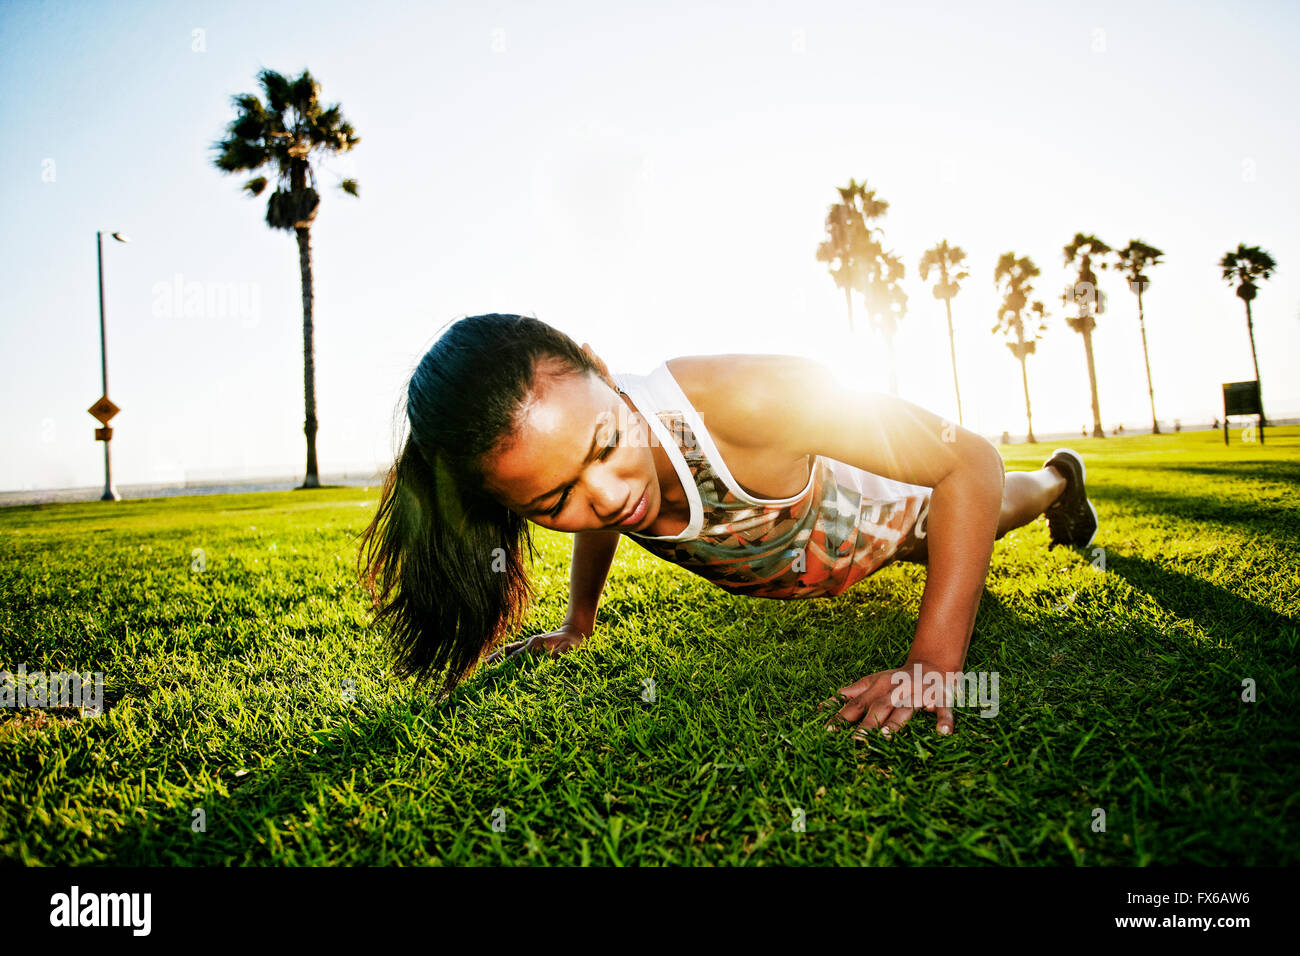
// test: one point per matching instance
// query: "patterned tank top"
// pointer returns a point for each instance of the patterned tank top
(845, 525)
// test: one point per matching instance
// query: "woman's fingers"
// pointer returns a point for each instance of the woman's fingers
(553, 642)
(836, 702)
(845, 698)
(853, 711)
(878, 702)
(879, 713)
(872, 712)
(530, 644)
(890, 723)
(895, 720)
(858, 687)
(946, 723)
(506, 651)
(560, 642)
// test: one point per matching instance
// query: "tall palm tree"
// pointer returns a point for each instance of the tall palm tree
(1133, 258)
(948, 260)
(287, 133)
(886, 303)
(850, 240)
(1012, 276)
(837, 249)
(1248, 266)
(1090, 301)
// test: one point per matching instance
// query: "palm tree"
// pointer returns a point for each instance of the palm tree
(1133, 258)
(1090, 301)
(286, 134)
(1248, 266)
(850, 240)
(886, 303)
(1012, 275)
(945, 258)
(839, 246)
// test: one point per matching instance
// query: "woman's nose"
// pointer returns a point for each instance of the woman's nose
(609, 497)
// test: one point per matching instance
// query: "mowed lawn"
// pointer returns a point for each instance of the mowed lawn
(686, 730)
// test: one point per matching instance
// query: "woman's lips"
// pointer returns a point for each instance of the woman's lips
(638, 512)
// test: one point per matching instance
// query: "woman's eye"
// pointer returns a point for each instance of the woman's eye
(555, 512)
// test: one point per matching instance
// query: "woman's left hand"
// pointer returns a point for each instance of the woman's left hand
(886, 700)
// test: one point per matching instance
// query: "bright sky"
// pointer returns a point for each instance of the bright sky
(653, 179)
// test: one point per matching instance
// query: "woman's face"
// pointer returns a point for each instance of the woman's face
(581, 459)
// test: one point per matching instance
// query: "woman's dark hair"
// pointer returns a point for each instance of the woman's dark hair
(442, 559)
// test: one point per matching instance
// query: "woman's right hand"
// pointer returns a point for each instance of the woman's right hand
(556, 642)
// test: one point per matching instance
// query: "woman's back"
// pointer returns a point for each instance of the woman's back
(841, 526)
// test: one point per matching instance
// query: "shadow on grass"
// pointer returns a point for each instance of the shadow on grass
(1279, 523)
(1219, 612)
(366, 737)
(1063, 684)
(1278, 471)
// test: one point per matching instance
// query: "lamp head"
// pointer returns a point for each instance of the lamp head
(120, 238)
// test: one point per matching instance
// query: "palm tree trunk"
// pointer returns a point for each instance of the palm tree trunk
(1024, 378)
(952, 345)
(1029, 415)
(848, 299)
(1250, 327)
(1151, 390)
(1097, 430)
(893, 369)
(312, 479)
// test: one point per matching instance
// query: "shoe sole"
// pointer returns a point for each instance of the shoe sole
(1083, 477)
(1083, 469)
(1095, 525)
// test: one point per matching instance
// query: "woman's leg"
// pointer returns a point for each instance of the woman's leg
(1026, 495)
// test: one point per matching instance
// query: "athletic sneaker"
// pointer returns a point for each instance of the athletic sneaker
(1071, 518)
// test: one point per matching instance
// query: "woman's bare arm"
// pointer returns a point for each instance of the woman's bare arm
(593, 553)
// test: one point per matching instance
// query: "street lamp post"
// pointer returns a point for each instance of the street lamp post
(104, 410)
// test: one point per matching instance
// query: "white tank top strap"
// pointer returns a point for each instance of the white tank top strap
(669, 393)
(650, 394)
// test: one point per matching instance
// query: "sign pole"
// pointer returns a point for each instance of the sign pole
(110, 493)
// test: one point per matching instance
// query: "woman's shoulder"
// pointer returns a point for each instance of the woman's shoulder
(730, 391)
(735, 376)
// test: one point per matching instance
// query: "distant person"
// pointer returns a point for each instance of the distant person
(1006, 438)
(756, 472)
(1215, 426)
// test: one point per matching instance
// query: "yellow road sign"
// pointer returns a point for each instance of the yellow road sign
(103, 410)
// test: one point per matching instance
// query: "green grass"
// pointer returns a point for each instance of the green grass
(1120, 689)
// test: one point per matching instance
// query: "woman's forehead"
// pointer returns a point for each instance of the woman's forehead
(552, 436)
(554, 408)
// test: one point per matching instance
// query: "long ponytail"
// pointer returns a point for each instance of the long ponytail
(442, 559)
